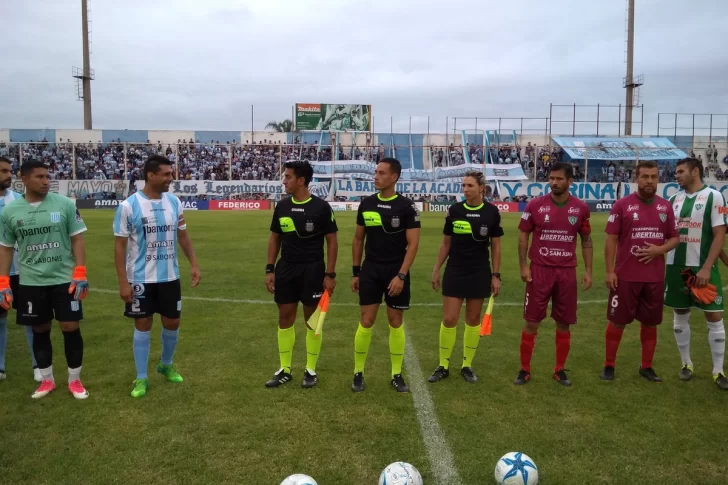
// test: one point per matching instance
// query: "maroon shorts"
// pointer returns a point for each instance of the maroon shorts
(551, 283)
(636, 301)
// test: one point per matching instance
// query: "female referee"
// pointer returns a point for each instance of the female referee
(470, 228)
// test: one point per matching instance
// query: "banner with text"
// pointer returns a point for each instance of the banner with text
(82, 189)
(239, 205)
(347, 169)
(333, 117)
(620, 148)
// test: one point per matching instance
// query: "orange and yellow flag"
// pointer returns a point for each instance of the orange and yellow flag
(316, 322)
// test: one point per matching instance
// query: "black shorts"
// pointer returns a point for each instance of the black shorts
(374, 279)
(302, 282)
(464, 283)
(37, 305)
(14, 284)
(150, 298)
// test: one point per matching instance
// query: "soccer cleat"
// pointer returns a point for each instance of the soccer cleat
(170, 372)
(37, 377)
(523, 377)
(399, 384)
(607, 373)
(358, 384)
(468, 375)
(44, 389)
(561, 377)
(77, 389)
(279, 378)
(439, 374)
(721, 381)
(686, 373)
(140, 388)
(310, 379)
(2, 375)
(649, 374)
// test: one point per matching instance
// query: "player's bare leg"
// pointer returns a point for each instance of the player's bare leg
(448, 332)
(396, 347)
(362, 340)
(716, 338)
(73, 343)
(286, 340)
(681, 327)
(43, 351)
(563, 345)
(528, 341)
(471, 337)
(313, 348)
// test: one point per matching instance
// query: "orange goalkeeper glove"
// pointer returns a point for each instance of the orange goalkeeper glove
(6, 294)
(79, 283)
(705, 295)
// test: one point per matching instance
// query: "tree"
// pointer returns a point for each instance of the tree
(285, 126)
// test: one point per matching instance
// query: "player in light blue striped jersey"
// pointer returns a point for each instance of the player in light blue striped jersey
(148, 225)
(7, 196)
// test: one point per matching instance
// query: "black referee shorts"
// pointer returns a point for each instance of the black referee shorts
(14, 284)
(296, 282)
(466, 282)
(373, 282)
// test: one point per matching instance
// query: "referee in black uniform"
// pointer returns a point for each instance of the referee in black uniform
(390, 223)
(300, 225)
(471, 228)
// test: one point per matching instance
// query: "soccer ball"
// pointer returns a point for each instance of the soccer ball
(516, 468)
(400, 473)
(299, 479)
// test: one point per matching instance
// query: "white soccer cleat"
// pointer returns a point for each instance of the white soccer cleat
(2, 376)
(37, 376)
(44, 389)
(77, 389)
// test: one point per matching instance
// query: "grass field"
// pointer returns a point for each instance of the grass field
(222, 426)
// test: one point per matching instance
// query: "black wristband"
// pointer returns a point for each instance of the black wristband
(270, 268)
(355, 270)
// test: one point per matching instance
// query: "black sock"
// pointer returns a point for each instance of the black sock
(74, 348)
(42, 349)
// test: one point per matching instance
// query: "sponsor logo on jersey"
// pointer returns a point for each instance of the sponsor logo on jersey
(43, 247)
(395, 221)
(160, 244)
(383, 206)
(574, 210)
(38, 231)
(472, 215)
(551, 252)
(723, 210)
(138, 289)
(647, 235)
(44, 259)
(690, 240)
(686, 223)
(55, 217)
(633, 207)
(157, 229)
(543, 208)
(161, 257)
(633, 250)
(293, 209)
(661, 207)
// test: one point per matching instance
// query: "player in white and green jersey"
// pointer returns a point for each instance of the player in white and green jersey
(48, 229)
(701, 217)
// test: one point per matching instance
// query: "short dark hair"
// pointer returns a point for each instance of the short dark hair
(692, 163)
(568, 169)
(5, 160)
(27, 167)
(644, 164)
(154, 163)
(301, 168)
(394, 165)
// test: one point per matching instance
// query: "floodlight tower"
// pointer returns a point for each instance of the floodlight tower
(86, 75)
(631, 83)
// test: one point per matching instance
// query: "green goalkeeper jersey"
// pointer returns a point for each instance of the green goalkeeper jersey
(43, 233)
(696, 214)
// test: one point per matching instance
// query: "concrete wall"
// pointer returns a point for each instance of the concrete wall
(126, 136)
(4, 136)
(22, 136)
(80, 136)
(166, 137)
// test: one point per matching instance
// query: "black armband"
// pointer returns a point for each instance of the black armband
(270, 268)
(355, 270)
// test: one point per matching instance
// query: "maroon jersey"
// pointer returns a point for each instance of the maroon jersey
(637, 223)
(554, 229)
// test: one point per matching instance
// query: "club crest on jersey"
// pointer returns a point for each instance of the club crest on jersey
(483, 231)
(55, 217)
(309, 226)
(395, 221)
(572, 220)
(698, 207)
(663, 217)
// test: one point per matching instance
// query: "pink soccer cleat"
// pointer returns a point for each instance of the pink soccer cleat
(77, 389)
(44, 389)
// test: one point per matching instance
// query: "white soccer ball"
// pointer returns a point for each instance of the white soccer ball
(400, 473)
(299, 479)
(516, 468)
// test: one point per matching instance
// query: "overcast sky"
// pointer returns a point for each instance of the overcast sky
(191, 64)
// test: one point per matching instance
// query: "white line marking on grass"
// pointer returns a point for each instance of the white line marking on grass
(441, 458)
(271, 302)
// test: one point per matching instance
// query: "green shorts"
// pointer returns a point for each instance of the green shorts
(678, 296)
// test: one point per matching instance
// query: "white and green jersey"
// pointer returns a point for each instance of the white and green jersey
(10, 196)
(43, 232)
(696, 215)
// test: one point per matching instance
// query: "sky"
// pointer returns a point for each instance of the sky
(201, 65)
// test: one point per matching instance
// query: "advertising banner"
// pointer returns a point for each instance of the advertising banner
(97, 204)
(239, 205)
(600, 205)
(334, 117)
(438, 206)
(620, 148)
(195, 205)
(344, 206)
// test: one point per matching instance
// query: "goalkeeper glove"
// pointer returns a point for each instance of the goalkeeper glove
(704, 295)
(6, 294)
(79, 283)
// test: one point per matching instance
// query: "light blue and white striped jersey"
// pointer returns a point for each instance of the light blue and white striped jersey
(151, 228)
(10, 196)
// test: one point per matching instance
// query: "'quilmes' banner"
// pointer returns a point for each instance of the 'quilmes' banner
(335, 117)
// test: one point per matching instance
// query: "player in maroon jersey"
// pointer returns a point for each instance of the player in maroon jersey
(555, 220)
(641, 229)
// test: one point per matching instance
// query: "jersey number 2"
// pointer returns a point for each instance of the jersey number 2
(135, 306)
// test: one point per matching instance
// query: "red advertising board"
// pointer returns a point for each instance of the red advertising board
(506, 206)
(239, 205)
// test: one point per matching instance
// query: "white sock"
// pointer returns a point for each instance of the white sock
(681, 325)
(47, 373)
(716, 338)
(74, 374)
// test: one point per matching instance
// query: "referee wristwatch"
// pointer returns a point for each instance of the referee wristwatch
(401, 276)
(330, 275)
(497, 275)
